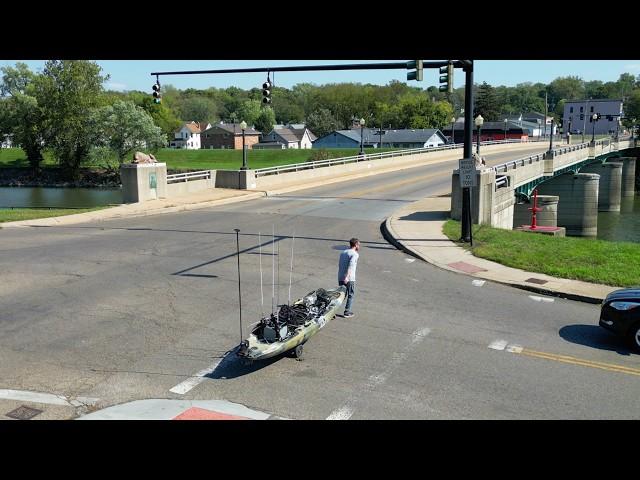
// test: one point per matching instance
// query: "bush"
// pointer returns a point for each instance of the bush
(320, 154)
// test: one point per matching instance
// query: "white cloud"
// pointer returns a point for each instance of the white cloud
(116, 86)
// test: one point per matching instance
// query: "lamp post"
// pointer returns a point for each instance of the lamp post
(453, 130)
(362, 122)
(505, 129)
(479, 121)
(466, 217)
(243, 126)
(551, 138)
(594, 117)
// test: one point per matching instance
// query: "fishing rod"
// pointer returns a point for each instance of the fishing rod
(239, 290)
(273, 268)
(261, 291)
(293, 239)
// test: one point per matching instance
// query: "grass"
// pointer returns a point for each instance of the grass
(589, 260)
(206, 159)
(16, 214)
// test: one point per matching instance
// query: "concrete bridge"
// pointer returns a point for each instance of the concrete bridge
(575, 182)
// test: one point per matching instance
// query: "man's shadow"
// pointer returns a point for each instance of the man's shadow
(595, 336)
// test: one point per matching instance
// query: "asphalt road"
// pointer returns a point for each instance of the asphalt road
(128, 309)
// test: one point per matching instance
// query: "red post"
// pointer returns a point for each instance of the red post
(534, 209)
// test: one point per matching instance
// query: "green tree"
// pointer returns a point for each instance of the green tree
(632, 108)
(68, 93)
(266, 120)
(200, 109)
(487, 103)
(125, 128)
(21, 115)
(321, 122)
(249, 111)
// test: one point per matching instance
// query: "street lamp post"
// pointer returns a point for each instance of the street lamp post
(505, 129)
(551, 138)
(453, 130)
(362, 122)
(479, 121)
(594, 117)
(243, 126)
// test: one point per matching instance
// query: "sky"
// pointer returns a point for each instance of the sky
(135, 74)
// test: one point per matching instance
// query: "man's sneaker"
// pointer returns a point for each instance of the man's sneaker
(348, 314)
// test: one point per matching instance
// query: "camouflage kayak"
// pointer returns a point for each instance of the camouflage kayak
(292, 325)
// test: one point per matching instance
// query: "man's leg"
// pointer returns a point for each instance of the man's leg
(351, 291)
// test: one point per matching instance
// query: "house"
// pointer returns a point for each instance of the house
(374, 137)
(269, 146)
(228, 135)
(489, 131)
(536, 123)
(295, 126)
(188, 136)
(7, 141)
(291, 137)
(578, 116)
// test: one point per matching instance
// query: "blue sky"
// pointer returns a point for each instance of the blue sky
(135, 74)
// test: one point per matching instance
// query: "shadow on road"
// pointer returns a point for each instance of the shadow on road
(426, 216)
(595, 337)
(233, 366)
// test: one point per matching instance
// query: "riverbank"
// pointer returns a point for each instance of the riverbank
(55, 177)
(589, 260)
(17, 214)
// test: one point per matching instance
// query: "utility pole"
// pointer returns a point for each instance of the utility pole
(546, 112)
(467, 234)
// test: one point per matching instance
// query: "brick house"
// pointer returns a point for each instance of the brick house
(228, 135)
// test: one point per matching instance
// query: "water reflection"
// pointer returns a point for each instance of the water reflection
(623, 226)
(58, 197)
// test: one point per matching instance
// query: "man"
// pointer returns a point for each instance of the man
(347, 272)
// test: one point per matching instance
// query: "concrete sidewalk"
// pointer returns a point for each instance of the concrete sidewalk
(417, 229)
(165, 409)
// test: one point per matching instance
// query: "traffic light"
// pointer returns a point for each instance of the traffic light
(157, 96)
(446, 78)
(266, 92)
(417, 74)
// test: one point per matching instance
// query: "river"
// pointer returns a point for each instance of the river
(58, 197)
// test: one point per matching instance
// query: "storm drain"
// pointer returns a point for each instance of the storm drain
(539, 281)
(24, 413)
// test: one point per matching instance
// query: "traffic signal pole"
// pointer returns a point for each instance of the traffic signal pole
(467, 234)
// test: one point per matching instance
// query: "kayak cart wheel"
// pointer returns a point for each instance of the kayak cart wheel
(297, 352)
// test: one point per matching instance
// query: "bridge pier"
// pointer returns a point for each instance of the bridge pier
(610, 185)
(547, 217)
(628, 176)
(578, 205)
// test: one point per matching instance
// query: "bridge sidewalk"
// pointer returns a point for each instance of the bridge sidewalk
(417, 230)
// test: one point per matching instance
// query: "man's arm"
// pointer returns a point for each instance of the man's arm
(352, 263)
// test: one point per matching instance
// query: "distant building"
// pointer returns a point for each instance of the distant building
(578, 113)
(228, 135)
(188, 136)
(6, 141)
(291, 137)
(536, 123)
(490, 131)
(374, 137)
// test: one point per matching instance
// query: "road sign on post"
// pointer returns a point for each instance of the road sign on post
(468, 177)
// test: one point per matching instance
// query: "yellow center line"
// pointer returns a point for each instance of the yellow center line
(579, 361)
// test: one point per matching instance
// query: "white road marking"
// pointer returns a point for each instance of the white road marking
(478, 283)
(498, 344)
(346, 411)
(541, 299)
(415, 280)
(46, 398)
(195, 380)
(514, 348)
(386, 271)
(409, 260)
(343, 413)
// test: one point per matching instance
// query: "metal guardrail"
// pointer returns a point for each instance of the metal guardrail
(260, 172)
(503, 167)
(185, 177)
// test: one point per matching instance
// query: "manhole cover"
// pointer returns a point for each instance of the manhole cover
(24, 413)
(536, 280)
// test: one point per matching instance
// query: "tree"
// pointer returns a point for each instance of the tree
(21, 116)
(68, 92)
(266, 120)
(322, 122)
(249, 111)
(632, 108)
(124, 128)
(487, 103)
(200, 109)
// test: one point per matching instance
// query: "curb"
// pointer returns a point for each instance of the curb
(388, 234)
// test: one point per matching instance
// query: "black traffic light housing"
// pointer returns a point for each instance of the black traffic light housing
(266, 92)
(157, 95)
(446, 78)
(417, 73)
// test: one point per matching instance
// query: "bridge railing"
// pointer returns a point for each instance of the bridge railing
(294, 167)
(185, 177)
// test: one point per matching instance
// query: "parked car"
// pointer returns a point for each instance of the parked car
(620, 314)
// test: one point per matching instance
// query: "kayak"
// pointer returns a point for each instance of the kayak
(292, 325)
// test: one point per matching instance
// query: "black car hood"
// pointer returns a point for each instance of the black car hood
(625, 294)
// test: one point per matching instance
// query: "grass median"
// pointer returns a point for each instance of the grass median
(590, 260)
(17, 214)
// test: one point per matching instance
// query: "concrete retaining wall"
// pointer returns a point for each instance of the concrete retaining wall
(609, 188)
(547, 217)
